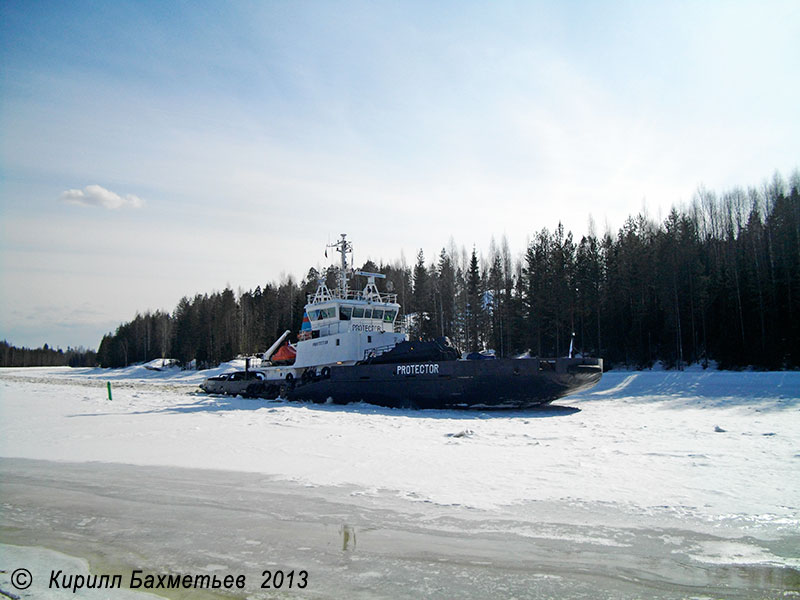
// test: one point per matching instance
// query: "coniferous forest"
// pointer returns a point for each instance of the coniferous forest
(11, 356)
(716, 280)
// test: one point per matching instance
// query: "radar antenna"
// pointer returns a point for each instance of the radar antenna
(371, 293)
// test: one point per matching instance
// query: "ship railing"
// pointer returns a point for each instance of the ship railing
(374, 352)
(383, 297)
(401, 324)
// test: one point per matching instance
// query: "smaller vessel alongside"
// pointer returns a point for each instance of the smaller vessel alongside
(352, 348)
(238, 383)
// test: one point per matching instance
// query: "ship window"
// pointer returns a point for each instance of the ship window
(345, 312)
(337, 341)
(323, 313)
(369, 339)
(377, 314)
(367, 313)
(389, 316)
(358, 313)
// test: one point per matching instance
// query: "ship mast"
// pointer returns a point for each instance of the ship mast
(343, 247)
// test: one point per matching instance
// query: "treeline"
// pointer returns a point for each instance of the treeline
(719, 279)
(11, 356)
(209, 328)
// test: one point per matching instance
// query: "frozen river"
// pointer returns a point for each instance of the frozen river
(657, 485)
(167, 519)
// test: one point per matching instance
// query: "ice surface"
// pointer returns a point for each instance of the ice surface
(648, 439)
(686, 477)
(166, 519)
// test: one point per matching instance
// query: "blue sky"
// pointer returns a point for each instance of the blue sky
(153, 150)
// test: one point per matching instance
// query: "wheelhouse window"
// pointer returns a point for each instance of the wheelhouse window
(367, 313)
(322, 313)
(377, 314)
(389, 316)
(345, 313)
(358, 313)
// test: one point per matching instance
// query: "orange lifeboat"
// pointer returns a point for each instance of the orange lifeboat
(285, 355)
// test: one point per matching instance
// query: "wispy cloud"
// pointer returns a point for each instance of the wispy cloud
(95, 195)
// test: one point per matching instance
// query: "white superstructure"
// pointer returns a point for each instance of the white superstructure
(343, 326)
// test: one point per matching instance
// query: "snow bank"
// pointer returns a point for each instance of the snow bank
(156, 372)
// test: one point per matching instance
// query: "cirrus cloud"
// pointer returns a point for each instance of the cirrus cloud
(96, 195)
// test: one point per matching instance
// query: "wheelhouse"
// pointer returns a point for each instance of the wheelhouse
(344, 326)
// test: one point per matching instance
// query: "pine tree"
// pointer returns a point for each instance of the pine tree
(446, 277)
(422, 301)
(474, 303)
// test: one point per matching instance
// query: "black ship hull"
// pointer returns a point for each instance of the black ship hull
(498, 383)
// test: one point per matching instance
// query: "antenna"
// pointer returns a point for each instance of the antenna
(343, 247)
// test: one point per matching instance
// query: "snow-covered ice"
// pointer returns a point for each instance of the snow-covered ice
(719, 450)
(649, 439)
